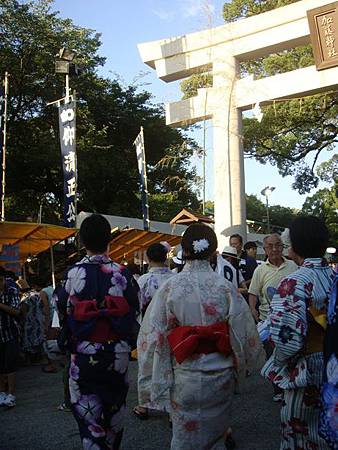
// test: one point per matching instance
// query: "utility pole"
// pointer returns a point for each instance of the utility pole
(4, 148)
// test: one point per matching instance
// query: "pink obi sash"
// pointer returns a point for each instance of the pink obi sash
(188, 341)
(85, 310)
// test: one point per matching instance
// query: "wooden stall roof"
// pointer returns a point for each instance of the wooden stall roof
(32, 238)
(127, 242)
(187, 217)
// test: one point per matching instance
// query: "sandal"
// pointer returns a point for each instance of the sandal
(63, 407)
(142, 415)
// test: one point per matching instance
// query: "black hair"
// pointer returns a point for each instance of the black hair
(95, 233)
(197, 232)
(134, 269)
(238, 236)
(10, 274)
(2, 271)
(309, 236)
(250, 244)
(157, 253)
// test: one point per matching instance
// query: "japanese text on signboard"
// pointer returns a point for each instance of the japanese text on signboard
(67, 125)
(323, 23)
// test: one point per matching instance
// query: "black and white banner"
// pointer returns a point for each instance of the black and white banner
(141, 162)
(67, 126)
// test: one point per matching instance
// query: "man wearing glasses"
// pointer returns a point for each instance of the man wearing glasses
(268, 275)
(264, 282)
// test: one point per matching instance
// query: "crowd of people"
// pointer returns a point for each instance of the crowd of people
(25, 326)
(198, 328)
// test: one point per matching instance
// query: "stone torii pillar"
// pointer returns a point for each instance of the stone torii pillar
(219, 51)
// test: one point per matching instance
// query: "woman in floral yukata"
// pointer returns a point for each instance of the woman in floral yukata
(188, 344)
(329, 414)
(99, 299)
(157, 274)
(298, 322)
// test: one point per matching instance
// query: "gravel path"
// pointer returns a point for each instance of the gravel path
(35, 424)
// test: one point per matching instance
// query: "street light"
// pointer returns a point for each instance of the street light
(266, 192)
(64, 65)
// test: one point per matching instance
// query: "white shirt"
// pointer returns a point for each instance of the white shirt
(228, 271)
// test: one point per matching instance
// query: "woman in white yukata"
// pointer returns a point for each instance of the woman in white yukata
(197, 331)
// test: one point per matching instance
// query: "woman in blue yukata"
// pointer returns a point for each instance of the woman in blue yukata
(297, 325)
(329, 414)
(99, 301)
(158, 273)
(149, 283)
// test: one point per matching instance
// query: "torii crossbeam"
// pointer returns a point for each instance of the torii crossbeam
(220, 50)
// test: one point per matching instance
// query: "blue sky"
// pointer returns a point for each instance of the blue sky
(126, 23)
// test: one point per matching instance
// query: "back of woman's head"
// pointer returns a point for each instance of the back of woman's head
(95, 233)
(309, 237)
(199, 242)
(157, 253)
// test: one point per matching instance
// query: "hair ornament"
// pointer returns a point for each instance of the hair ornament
(200, 245)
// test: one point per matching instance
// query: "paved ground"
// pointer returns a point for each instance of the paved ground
(35, 424)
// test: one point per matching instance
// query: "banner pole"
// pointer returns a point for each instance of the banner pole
(52, 263)
(146, 220)
(4, 149)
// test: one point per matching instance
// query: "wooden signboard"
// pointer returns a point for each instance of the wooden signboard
(323, 23)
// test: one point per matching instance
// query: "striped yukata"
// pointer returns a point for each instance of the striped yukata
(297, 324)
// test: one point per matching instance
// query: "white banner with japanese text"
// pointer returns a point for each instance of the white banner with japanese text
(142, 168)
(67, 126)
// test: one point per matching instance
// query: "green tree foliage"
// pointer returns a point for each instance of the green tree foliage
(239, 9)
(190, 85)
(109, 116)
(293, 133)
(280, 216)
(324, 204)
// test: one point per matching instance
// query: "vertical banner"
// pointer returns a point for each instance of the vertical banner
(141, 162)
(67, 126)
(2, 121)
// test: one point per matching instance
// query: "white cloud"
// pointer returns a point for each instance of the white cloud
(163, 14)
(193, 8)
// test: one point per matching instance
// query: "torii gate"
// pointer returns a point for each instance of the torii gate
(220, 50)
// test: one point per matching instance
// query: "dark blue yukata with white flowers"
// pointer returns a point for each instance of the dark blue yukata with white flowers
(98, 303)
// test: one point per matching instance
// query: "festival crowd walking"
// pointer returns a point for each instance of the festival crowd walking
(198, 332)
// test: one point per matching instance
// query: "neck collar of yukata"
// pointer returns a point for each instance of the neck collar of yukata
(96, 259)
(315, 262)
(197, 265)
(159, 269)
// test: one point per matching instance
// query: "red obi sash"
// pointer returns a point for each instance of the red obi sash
(188, 341)
(85, 310)
(102, 331)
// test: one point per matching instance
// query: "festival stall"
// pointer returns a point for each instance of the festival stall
(20, 241)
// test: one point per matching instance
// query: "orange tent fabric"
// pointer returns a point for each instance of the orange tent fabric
(32, 238)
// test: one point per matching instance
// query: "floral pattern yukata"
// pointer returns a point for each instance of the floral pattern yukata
(296, 365)
(150, 282)
(33, 327)
(329, 414)
(198, 392)
(98, 381)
